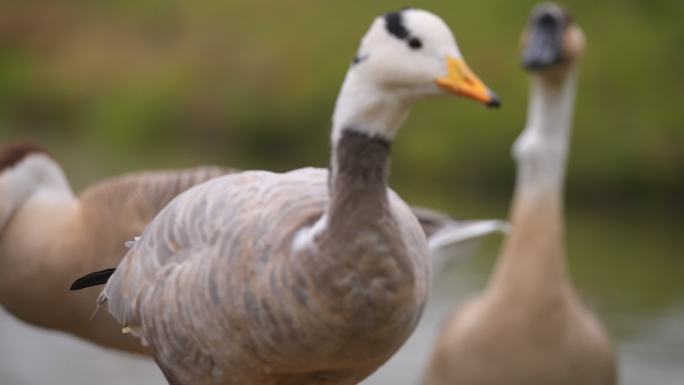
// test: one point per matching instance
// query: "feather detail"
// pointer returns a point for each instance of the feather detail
(131, 243)
(93, 279)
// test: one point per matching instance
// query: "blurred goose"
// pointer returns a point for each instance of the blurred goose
(306, 277)
(48, 236)
(529, 326)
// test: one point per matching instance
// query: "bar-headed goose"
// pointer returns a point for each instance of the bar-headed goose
(48, 236)
(529, 326)
(305, 277)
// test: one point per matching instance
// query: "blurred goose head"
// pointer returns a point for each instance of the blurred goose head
(405, 56)
(552, 43)
(27, 172)
(551, 40)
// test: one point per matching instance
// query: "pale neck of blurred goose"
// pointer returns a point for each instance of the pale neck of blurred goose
(534, 254)
(541, 149)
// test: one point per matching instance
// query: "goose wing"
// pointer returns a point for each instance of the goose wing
(118, 208)
(132, 200)
(186, 282)
(460, 239)
(450, 238)
(144, 194)
(185, 231)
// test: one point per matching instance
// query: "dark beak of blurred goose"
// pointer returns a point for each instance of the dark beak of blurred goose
(544, 45)
(550, 38)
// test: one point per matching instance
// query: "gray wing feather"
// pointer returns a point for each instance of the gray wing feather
(461, 239)
(147, 191)
(181, 272)
(119, 208)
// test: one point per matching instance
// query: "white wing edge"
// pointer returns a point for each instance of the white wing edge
(462, 239)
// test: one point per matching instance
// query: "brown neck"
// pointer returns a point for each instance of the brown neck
(358, 177)
(532, 262)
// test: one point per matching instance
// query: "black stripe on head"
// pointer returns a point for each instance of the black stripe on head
(394, 22)
(14, 153)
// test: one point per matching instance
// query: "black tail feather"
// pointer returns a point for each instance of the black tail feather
(92, 279)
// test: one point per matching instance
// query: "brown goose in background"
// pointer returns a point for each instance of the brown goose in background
(49, 236)
(306, 277)
(529, 326)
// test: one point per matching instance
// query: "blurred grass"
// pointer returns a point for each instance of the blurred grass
(252, 84)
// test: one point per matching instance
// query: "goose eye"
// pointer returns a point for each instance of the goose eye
(415, 43)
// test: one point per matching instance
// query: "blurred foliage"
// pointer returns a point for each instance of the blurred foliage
(151, 83)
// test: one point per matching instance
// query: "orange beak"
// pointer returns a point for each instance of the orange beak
(460, 80)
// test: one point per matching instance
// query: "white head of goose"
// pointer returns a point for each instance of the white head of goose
(260, 277)
(405, 56)
(529, 326)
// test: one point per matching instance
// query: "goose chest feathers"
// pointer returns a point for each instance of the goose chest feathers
(306, 277)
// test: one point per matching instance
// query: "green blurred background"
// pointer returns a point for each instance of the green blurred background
(115, 86)
(129, 84)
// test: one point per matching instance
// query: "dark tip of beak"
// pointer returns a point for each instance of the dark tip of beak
(494, 102)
